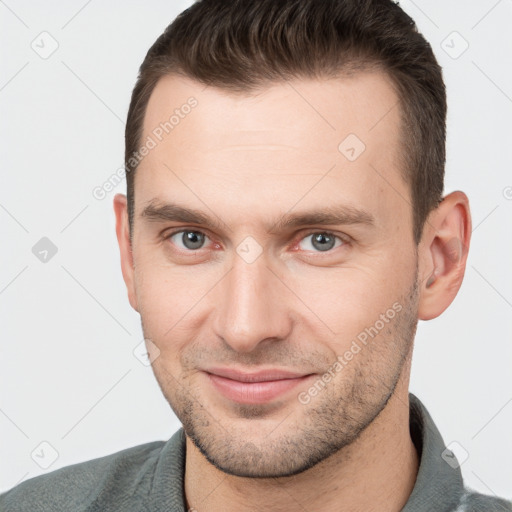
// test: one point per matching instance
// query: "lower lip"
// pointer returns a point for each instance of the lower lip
(254, 392)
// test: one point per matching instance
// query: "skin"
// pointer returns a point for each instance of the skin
(248, 160)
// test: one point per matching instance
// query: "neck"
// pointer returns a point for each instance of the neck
(375, 472)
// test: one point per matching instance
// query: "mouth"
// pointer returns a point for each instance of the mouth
(254, 387)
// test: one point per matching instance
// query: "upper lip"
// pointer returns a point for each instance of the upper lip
(258, 376)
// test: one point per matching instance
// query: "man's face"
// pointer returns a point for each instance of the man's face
(253, 292)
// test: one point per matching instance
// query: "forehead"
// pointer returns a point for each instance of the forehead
(316, 112)
(339, 136)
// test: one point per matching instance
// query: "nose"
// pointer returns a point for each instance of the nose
(252, 306)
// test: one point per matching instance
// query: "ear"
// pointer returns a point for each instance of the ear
(443, 253)
(125, 246)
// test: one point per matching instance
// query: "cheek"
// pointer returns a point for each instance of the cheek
(357, 303)
(345, 300)
(171, 302)
(162, 287)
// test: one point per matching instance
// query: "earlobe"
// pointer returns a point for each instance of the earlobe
(443, 254)
(125, 247)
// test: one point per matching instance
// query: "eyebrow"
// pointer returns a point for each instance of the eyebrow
(332, 215)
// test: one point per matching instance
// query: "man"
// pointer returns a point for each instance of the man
(284, 229)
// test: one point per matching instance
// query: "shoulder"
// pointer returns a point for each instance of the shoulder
(122, 475)
(473, 501)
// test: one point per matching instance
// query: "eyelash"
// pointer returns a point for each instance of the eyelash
(345, 239)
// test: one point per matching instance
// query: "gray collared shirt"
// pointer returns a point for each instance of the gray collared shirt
(149, 478)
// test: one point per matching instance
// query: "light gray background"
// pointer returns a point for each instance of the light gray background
(68, 373)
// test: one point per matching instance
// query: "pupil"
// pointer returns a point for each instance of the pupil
(320, 239)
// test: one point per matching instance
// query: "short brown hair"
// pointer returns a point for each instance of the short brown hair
(243, 45)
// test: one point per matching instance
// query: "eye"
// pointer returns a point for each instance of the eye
(321, 241)
(190, 240)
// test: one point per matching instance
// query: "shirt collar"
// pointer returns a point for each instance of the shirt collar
(439, 485)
